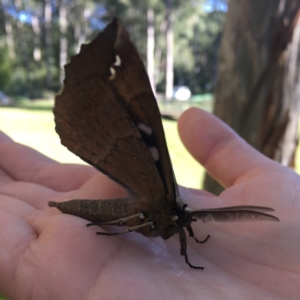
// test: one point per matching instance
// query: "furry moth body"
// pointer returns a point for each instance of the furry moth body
(108, 116)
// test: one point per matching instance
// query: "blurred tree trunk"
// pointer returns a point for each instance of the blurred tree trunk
(169, 50)
(8, 33)
(197, 55)
(159, 52)
(48, 41)
(286, 150)
(6, 30)
(80, 26)
(150, 47)
(35, 23)
(63, 42)
(257, 91)
(2, 19)
(21, 40)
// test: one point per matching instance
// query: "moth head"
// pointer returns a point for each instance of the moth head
(185, 216)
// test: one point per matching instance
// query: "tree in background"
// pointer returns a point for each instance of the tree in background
(257, 91)
(150, 47)
(40, 37)
(169, 51)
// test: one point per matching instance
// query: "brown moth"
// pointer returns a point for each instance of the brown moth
(108, 116)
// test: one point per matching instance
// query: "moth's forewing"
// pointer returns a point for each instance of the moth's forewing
(93, 120)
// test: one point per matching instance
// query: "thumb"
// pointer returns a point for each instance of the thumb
(223, 153)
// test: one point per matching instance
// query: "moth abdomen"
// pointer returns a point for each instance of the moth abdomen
(98, 211)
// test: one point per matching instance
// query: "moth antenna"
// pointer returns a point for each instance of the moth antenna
(129, 229)
(191, 233)
(232, 215)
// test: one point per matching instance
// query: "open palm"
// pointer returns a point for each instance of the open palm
(47, 255)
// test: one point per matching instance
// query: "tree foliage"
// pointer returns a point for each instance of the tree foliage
(33, 39)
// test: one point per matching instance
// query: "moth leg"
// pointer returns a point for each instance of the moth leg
(183, 248)
(129, 229)
(118, 222)
(191, 233)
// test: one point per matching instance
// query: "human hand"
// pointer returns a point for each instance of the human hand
(46, 255)
(258, 259)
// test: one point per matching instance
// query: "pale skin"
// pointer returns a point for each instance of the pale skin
(47, 255)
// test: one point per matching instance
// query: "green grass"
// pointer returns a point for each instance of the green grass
(187, 170)
(33, 125)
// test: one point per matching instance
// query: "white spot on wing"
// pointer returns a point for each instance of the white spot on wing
(145, 128)
(113, 73)
(187, 209)
(118, 61)
(141, 216)
(154, 153)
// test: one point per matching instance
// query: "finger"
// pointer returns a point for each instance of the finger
(15, 206)
(22, 163)
(226, 156)
(15, 235)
